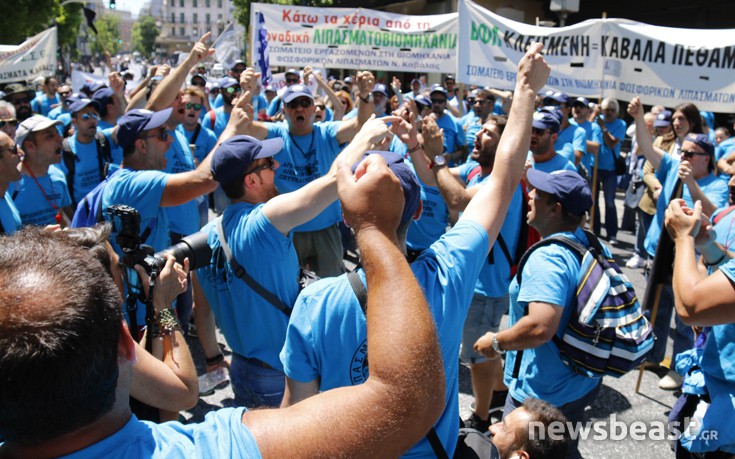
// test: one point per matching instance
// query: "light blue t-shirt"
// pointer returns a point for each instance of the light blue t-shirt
(327, 335)
(556, 163)
(33, 206)
(252, 326)
(205, 141)
(725, 226)
(116, 150)
(86, 170)
(220, 121)
(143, 191)
(472, 124)
(454, 136)
(304, 159)
(434, 218)
(550, 275)
(713, 187)
(43, 104)
(724, 148)
(182, 219)
(274, 106)
(594, 134)
(572, 138)
(606, 156)
(9, 215)
(221, 434)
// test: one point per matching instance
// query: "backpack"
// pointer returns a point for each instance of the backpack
(104, 156)
(722, 215)
(89, 210)
(607, 333)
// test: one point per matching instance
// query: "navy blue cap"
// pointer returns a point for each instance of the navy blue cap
(226, 82)
(422, 100)
(663, 119)
(292, 72)
(557, 96)
(381, 89)
(450, 77)
(96, 86)
(104, 96)
(567, 187)
(235, 155)
(238, 62)
(581, 101)
(73, 97)
(296, 90)
(441, 89)
(546, 119)
(409, 182)
(702, 141)
(79, 105)
(134, 122)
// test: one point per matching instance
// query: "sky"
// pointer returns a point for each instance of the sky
(130, 5)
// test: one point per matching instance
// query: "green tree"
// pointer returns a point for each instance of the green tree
(144, 33)
(21, 19)
(108, 28)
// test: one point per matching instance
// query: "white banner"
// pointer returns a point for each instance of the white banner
(33, 58)
(603, 58)
(357, 38)
(79, 78)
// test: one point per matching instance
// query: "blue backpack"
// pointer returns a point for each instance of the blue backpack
(89, 210)
(607, 333)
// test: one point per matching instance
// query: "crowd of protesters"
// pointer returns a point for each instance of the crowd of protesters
(445, 174)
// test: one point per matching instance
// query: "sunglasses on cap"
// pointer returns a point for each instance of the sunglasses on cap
(232, 89)
(303, 102)
(13, 149)
(190, 105)
(161, 134)
(270, 165)
(88, 116)
(9, 121)
(690, 153)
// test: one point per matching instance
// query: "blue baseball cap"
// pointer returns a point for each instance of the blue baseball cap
(103, 96)
(422, 100)
(581, 101)
(546, 119)
(235, 155)
(292, 72)
(226, 82)
(440, 89)
(296, 90)
(409, 182)
(79, 105)
(381, 89)
(557, 96)
(134, 122)
(663, 119)
(567, 187)
(702, 141)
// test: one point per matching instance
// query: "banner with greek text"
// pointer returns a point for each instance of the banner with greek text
(597, 58)
(33, 58)
(358, 38)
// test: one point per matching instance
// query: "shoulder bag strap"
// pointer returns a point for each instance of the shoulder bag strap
(359, 289)
(196, 133)
(242, 274)
(70, 160)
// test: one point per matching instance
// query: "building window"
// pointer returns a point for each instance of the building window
(219, 3)
(208, 18)
(173, 31)
(181, 3)
(219, 17)
(194, 3)
(181, 18)
(207, 3)
(173, 18)
(183, 31)
(195, 19)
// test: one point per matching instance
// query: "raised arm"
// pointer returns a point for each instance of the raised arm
(642, 134)
(404, 394)
(338, 110)
(347, 130)
(490, 204)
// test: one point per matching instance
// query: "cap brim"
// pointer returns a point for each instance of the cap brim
(270, 147)
(94, 103)
(46, 125)
(539, 125)
(658, 124)
(539, 180)
(158, 119)
(289, 97)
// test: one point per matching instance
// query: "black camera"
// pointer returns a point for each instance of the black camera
(126, 223)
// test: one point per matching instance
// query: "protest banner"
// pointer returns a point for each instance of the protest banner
(33, 58)
(358, 38)
(614, 58)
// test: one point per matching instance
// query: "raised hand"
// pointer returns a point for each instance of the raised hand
(533, 71)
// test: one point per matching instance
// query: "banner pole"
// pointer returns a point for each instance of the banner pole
(597, 154)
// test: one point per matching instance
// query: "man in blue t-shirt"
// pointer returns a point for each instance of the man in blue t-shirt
(41, 195)
(257, 226)
(544, 133)
(541, 306)
(580, 117)
(308, 152)
(571, 142)
(326, 338)
(9, 160)
(455, 142)
(89, 354)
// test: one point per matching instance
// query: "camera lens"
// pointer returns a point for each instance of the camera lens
(194, 247)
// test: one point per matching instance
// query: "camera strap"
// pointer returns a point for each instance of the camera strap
(242, 274)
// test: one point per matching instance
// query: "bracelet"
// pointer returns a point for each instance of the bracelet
(416, 148)
(716, 263)
(366, 99)
(165, 324)
(214, 360)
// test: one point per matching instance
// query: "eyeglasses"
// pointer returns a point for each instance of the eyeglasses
(8, 121)
(161, 134)
(689, 153)
(13, 149)
(20, 100)
(232, 89)
(189, 106)
(63, 93)
(438, 101)
(538, 132)
(201, 84)
(321, 107)
(302, 102)
(88, 116)
(271, 165)
(292, 80)
(482, 101)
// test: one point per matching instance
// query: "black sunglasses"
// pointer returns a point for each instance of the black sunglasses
(161, 135)
(21, 100)
(303, 102)
(201, 84)
(270, 165)
(438, 101)
(321, 107)
(292, 81)
(9, 121)
(689, 153)
(190, 105)
(538, 132)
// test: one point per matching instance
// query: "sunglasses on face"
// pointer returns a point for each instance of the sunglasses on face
(9, 121)
(232, 89)
(13, 150)
(321, 107)
(689, 153)
(88, 116)
(292, 81)
(64, 93)
(538, 132)
(189, 106)
(303, 103)
(200, 84)
(270, 165)
(481, 101)
(438, 101)
(21, 100)
(161, 134)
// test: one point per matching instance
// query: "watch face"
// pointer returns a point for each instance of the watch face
(440, 160)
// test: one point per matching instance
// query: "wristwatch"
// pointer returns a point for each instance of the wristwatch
(438, 161)
(496, 345)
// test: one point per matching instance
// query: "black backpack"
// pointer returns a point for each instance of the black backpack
(104, 156)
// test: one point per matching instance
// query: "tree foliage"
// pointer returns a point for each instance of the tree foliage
(145, 32)
(108, 28)
(21, 19)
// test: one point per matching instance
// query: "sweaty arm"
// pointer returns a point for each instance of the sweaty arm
(347, 130)
(297, 391)
(534, 329)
